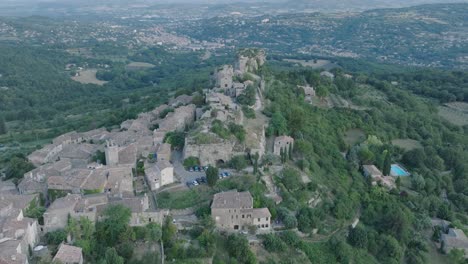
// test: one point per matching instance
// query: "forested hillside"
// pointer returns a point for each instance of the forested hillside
(39, 100)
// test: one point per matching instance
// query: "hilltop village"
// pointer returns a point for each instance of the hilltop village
(81, 173)
(175, 147)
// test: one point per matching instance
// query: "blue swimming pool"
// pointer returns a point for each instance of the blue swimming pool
(397, 171)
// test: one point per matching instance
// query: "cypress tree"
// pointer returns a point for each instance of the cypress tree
(3, 128)
(290, 152)
(387, 164)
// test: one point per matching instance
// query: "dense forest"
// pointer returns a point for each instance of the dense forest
(39, 100)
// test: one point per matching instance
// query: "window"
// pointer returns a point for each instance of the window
(266, 218)
(258, 220)
(243, 216)
(266, 225)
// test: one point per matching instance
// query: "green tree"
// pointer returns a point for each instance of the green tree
(321, 91)
(457, 256)
(398, 182)
(3, 127)
(17, 167)
(112, 257)
(154, 232)
(278, 124)
(238, 248)
(238, 162)
(387, 163)
(169, 231)
(358, 237)
(290, 152)
(415, 251)
(111, 230)
(212, 175)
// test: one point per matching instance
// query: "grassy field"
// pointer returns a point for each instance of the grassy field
(183, 199)
(456, 113)
(88, 77)
(407, 144)
(354, 136)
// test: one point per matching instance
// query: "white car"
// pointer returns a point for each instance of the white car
(195, 183)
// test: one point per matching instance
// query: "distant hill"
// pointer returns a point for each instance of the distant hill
(427, 35)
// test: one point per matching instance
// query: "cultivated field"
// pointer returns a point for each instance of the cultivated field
(456, 113)
(88, 77)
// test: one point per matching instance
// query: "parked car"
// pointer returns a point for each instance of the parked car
(190, 169)
(203, 179)
(195, 183)
(189, 184)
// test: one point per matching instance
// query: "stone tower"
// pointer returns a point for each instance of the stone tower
(112, 153)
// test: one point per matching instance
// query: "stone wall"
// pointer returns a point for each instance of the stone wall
(209, 154)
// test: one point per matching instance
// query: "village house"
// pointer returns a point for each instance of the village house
(67, 254)
(45, 155)
(159, 174)
(163, 152)
(282, 143)
(17, 233)
(56, 216)
(140, 213)
(454, 239)
(234, 211)
(116, 156)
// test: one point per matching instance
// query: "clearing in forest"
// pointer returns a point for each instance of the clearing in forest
(88, 77)
(407, 144)
(354, 136)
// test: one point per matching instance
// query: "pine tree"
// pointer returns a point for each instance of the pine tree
(3, 128)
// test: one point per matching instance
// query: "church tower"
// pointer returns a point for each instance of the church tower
(112, 153)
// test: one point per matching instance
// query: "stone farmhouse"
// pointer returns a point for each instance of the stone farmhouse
(67, 254)
(454, 239)
(377, 176)
(234, 211)
(282, 143)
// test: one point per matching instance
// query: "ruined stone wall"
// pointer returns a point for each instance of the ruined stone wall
(209, 154)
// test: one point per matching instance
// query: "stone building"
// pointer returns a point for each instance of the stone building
(159, 174)
(224, 77)
(17, 232)
(67, 254)
(454, 239)
(282, 143)
(234, 211)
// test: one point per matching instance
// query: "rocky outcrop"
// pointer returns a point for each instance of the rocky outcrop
(250, 60)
